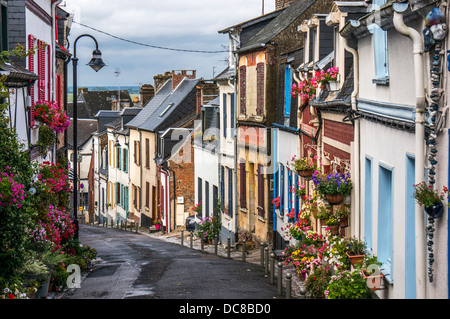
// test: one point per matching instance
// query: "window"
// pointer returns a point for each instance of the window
(222, 187)
(137, 154)
(125, 160)
(147, 153)
(215, 200)
(224, 99)
(242, 186)
(147, 194)
(380, 50)
(260, 191)
(385, 220)
(206, 199)
(4, 27)
(199, 190)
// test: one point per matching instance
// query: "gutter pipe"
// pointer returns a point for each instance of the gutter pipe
(418, 50)
(356, 147)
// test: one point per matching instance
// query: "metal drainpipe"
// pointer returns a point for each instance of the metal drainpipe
(357, 197)
(418, 49)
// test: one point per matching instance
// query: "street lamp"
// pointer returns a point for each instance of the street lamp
(96, 63)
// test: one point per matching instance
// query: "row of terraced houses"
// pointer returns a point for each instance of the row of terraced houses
(227, 142)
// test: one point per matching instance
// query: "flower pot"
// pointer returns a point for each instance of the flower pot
(373, 281)
(355, 259)
(334, 199)
(305, 172)
(332, 86)
(435, 211)
(343, 223)
(157, 226)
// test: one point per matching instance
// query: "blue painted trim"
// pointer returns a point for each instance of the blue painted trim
(275, 178)
(286, 128)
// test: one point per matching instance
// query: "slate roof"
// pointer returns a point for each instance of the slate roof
(90, 102)
(17, 76)
(85, 129)
(167, 108)
(281, 22)
(104, 117)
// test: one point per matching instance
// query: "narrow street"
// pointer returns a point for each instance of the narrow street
(136, 266)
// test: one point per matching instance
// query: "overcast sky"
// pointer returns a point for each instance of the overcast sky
(178, 24)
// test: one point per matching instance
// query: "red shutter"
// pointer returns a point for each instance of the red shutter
(58, 90)
(49, 73)
(31, 69)
(243, 87)
(260, 89)
(41, 70)
(242, 186)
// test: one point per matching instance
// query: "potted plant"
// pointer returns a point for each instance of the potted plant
(430, 199)
(342, 213)
(328, 78)
(333, 186)
(157, 224)
(348, 285)
(371, 272)
(317, 282)
(333, 224)
(304, 166)
(323, 214)
(355, 251)
(197, 208)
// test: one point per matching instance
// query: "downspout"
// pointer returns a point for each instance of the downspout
(174, 199)
(418, 50)
(357, 164)
(162, 171)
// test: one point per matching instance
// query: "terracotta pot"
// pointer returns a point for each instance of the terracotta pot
(334, 199)
(373, 281)
(356, 259)
(323, 222)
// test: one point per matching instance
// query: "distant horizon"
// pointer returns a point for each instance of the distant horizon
(133, 88)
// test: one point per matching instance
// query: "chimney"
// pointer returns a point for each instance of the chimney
(82, 90)
(146, 93)
(179, 75)
(280, 4)
(160, 79)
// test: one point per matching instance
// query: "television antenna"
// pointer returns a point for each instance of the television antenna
(117, 72)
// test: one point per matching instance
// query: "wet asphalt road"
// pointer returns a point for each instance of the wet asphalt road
(135, 266)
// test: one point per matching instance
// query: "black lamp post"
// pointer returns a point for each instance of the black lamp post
(96, 63)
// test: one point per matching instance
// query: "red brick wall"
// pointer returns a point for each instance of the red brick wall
(338, 131)
(177, 76)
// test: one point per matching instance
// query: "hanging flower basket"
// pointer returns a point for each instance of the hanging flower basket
(343, 222)
(305, 172)
(435, 211)
(334, 199)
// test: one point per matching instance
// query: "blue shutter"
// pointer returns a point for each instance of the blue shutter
(385, 220)
(232, 110)
(222, 187)
(126, 200)
(282, 189)
(224, 99)
(297, 200)
(410, 246)
(289, 190)
(287, 90)
(230, 191)
(368, 200)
